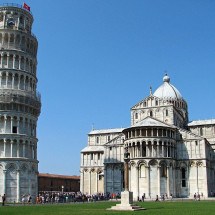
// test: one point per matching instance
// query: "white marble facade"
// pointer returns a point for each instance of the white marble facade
(168, 154)
(19, 104)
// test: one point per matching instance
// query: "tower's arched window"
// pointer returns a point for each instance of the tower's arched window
(151, 113)
(167, 113)
(183, 177)
(142, 171)
(156, 102)
(163, 171)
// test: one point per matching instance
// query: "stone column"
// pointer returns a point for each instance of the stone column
(147, 150)
(14, 61)
(18, 120)
(6, 79)
(159, 181)
(11, 125)
(17, 148)
(90, 182)
(126, 176)
(19, 62)
(11, 148)
(18, 186)
(168, 181)
(4, 147)
(148, 181)
(5, 123)
(4, 181)
(162, 149)
(97, 178)
(13, 76)
(82, 181)
(141, 149)
(29, 182)
(24, 81)
(24, 149)
(173, 178)
(167, 149)
(158, 154)
(8, 56)
(137, 180)
(105, 179)
(19, 82)
(0, 74)
(112, 168)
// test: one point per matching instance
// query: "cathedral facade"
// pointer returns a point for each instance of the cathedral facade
(168, 154)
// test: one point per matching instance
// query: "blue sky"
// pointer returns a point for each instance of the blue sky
(98, 58)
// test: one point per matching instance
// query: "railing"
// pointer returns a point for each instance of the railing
(13, 46)
(36, 96)
(20, 99)
(19, 29)
(15, 5)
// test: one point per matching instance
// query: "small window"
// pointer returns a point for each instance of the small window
(98, 156)
(151, 113)
(183, 177)
(201, 131)
(91, 156)
(97, 139)
(14, 129)
(196, 143)
(167, 113)
(136, 115)
(108, 138)
(21, 20)
(156, 103)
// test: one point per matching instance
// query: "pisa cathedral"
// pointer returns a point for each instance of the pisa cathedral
(19, 104)
(168, 154)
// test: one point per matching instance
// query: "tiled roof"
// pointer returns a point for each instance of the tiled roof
(47, 175)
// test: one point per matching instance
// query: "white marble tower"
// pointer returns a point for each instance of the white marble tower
(19, 104)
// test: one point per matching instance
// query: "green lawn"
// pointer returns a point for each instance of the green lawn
(99, 208)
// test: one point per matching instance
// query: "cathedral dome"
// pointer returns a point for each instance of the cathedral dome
(167, 90)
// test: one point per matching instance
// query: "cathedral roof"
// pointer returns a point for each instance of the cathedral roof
(107, 131)
(202, 122)
(167, 90)
(93, 149)
(151, 122)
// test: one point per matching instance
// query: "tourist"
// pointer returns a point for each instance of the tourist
(3, 199)
(143, 197)
(29, 199)
(157, 199)
(195, 196)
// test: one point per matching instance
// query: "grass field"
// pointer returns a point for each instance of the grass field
(99, 208)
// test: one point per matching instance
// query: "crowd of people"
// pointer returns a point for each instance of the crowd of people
(66, 197)
(53, 197)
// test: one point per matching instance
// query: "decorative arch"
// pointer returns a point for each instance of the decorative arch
(153, 162)
(11, 167)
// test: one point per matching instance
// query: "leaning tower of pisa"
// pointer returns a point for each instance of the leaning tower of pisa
(19, 103)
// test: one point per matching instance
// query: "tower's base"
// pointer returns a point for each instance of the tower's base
(126, 203)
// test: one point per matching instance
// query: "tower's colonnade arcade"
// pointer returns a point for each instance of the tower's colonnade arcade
(20, 104)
